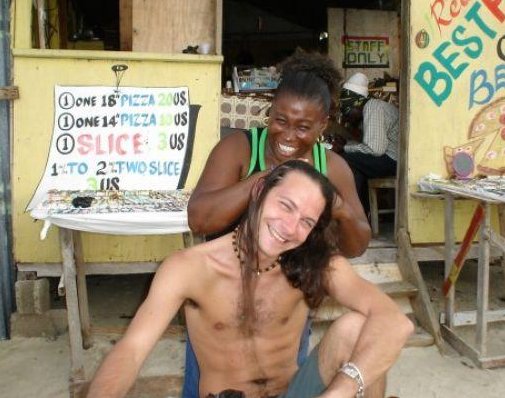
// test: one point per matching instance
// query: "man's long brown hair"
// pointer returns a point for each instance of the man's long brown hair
(305, 265)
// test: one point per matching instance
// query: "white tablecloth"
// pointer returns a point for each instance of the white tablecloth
(135, 223)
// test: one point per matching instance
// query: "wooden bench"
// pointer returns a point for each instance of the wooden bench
(373, 185)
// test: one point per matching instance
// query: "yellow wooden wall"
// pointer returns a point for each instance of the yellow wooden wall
(36, 72)
(464, 71)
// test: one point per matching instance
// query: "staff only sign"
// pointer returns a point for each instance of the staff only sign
(127, 139)
(365, 51)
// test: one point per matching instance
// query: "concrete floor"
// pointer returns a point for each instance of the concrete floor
(38, 367)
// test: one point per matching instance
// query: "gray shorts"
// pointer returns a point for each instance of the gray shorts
(306, 383)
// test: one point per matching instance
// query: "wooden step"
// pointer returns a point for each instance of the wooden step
(420, 337)
(400, 291)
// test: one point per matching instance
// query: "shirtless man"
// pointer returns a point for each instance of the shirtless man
(247, 296)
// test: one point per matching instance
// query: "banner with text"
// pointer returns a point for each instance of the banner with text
(127, 139)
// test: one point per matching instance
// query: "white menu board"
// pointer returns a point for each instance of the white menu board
(128, 139)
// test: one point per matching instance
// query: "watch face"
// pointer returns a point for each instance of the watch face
(350, 371)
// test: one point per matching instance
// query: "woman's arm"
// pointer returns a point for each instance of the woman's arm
(354, 229)
(221, 195)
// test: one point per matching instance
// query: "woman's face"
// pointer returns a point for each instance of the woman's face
(294, 126)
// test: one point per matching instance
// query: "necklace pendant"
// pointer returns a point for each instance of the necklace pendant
(258, 272)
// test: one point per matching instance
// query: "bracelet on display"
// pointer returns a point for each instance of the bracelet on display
(351, 370)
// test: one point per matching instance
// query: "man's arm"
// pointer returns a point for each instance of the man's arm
(221, 196)
(119, 370)
(354, 229)
(383, 333)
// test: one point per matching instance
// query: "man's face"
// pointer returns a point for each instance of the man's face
(289, 213)
(351, 108)
(294, 126)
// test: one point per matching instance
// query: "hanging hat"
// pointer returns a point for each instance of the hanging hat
(357, 83)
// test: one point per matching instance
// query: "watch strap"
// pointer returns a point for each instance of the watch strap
(351, 370)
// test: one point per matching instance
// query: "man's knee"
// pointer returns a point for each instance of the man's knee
(338, 343)
(346, 329)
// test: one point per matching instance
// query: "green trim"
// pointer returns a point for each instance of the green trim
(263, 138)
(322, 155)
(254, 150)
(315, 156)
(258, 153)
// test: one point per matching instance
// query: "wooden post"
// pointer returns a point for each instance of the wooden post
(483, 283)
(41, 20)
(125, 25)
(82, 291)
(501, 217)
(219, 27)
(74, 322)
(402, 174)
(421, 303)
(449, 244)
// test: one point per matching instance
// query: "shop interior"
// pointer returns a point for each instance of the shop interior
(254, 32)
(254, 37)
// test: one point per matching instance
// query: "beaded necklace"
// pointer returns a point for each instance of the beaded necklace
(257, 270)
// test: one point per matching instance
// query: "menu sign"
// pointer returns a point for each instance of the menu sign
(127, 139)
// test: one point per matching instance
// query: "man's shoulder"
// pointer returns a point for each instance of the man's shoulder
(338, 259)
(375, 103)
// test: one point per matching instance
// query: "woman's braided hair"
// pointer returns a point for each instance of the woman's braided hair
(311, 76)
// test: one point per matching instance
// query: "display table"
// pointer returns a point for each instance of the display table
(486, 196)
(148, 213)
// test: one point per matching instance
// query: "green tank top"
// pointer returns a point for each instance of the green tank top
(257, 161)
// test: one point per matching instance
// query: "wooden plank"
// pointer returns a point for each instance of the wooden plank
(462, 347)
(119, 268)
(9, 93)
(436, 252)
(399, 289)
(82, 290)
(125, 25)
(62, 23)
(41, 22)
(459, 344)
(74, 323)
(420, 338)
(331, 310)
(379, 273)
(501, 218)
(459, 259)
(466, 318)
(483, 283)
(421, 303)
(449, 244)
(402, 173)
(219, 27)
(376, 255)
(374, 213)
(169, 26)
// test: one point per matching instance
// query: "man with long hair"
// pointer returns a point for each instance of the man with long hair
(247, 295)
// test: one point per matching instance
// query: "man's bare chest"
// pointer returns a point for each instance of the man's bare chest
(268, 305)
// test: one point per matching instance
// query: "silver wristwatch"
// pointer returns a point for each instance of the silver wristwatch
(351, 370)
